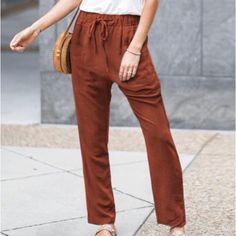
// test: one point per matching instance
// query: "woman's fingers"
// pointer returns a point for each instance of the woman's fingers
(127, 71)
(15, 41)
(133, 71)
(17, 47)
(129, 66)
(22, 39)
(121, 72)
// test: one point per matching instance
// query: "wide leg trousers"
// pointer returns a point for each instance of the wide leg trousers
(97, 46)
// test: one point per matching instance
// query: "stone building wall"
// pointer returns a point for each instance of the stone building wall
(192, 46)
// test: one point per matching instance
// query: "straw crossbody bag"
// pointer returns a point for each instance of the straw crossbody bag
(61, 50)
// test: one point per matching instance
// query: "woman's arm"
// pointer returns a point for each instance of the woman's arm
(130, 61)
(25, 37)
(56, 13)
(146, 19)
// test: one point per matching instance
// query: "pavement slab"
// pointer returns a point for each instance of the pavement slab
(38, 175)
(80, 227)
(49, 198)
(32, 183)
(14, 165)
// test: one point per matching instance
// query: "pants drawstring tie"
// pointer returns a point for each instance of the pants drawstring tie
(104, 34)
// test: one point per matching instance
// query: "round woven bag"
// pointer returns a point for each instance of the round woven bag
(61, 50)
(61, 53)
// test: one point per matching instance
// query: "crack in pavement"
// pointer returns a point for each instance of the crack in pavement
(43, 163)
(201, 149)
(30, 176)
(145, 220)
(4, 234)
(70, 171)
(130, 195)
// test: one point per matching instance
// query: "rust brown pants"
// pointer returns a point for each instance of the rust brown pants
(97, 45)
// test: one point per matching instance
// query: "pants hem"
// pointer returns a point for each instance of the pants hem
(100, 221)
(172, 226)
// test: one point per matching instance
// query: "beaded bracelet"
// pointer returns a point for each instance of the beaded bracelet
(137, 54)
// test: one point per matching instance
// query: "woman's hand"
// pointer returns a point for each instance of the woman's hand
(129, 65)
(24, 38)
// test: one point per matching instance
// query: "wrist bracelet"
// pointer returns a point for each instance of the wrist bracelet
(137, 54)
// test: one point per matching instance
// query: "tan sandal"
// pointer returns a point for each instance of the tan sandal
(177, 233)
(111, 229)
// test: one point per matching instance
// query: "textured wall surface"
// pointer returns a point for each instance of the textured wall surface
(192, 46)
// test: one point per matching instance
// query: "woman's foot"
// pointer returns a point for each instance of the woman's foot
(106, 230)
(177, 231)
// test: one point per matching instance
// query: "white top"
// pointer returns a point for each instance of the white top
(120, 7)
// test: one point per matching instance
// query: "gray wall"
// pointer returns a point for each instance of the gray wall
(192, 46)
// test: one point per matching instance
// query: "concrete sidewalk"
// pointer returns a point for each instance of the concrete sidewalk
(43, 189)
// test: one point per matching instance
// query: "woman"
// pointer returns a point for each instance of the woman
(109, 44)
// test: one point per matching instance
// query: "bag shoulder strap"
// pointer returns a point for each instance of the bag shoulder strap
(71, 21)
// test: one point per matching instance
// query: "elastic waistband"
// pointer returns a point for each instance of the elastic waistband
(124, 20)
